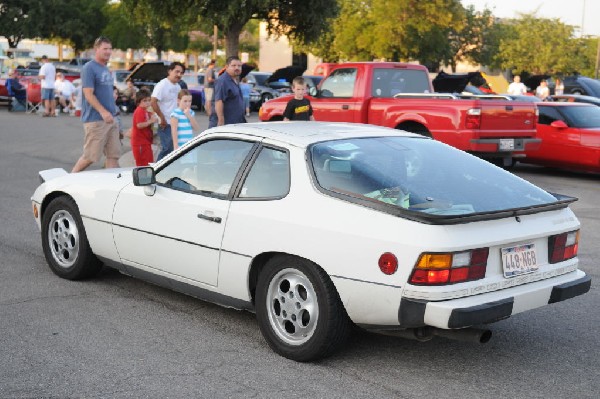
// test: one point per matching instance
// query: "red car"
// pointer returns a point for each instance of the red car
(570, 134)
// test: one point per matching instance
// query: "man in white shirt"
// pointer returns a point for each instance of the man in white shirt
(164, 101)
(516, 88)
(64, 91)
(47, 76)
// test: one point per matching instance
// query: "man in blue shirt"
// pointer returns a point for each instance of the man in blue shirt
(98, 110)
(227, 99)
(17, 91)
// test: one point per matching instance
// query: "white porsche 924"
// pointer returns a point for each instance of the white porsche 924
(319, 226)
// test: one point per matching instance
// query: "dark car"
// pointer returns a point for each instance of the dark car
(148, 74)
(471, 82)
(258, 80)
(531, 99)
(575, 98)
(581, 85)
(532, 83)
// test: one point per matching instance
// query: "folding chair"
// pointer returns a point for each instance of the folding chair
(34, 97)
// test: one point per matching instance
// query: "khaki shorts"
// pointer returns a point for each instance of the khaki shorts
(208, 94)
(101, 138)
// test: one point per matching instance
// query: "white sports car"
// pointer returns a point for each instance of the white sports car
(319, 226)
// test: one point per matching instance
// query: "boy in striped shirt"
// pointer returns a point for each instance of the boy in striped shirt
(183, 123)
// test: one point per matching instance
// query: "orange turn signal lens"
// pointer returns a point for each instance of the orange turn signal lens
(434, 261)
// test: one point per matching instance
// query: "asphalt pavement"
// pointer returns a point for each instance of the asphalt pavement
(117, 337)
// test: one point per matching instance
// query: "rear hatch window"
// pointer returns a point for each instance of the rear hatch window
(422, 179)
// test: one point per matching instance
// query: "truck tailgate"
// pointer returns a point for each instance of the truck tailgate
(515, 119)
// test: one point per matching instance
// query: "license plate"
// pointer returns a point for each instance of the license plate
(519, 260)
(507, 144)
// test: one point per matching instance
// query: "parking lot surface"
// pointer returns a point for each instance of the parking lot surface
(114, 336)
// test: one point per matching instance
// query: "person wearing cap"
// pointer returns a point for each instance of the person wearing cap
(48, 76)
(17, 91)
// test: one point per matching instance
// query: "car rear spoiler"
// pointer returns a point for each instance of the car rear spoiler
(50, 174)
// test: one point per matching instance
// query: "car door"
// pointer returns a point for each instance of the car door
(558, 144)
(337, 101)
(177, 229)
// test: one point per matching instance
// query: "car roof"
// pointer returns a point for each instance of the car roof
(563, 104)
(303, 134)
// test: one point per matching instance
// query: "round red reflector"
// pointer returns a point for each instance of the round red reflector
(388, 263)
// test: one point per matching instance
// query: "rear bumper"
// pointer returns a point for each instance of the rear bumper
(492, 306)
(493, 145)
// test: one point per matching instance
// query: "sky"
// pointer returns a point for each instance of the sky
(570, 12)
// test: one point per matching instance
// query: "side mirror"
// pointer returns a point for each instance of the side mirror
(559, 125)
(313, 91)
(144, 176)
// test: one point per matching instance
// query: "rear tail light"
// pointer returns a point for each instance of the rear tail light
(563, 246)
(473, 120)
(450, 268)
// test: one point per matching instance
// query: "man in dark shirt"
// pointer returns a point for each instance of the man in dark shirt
(298, 108)
(228, 100)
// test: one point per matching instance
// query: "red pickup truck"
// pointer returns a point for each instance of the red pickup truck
(401, 96)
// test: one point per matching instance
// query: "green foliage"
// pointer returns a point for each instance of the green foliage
(302, 21)
(476, 40)
(540, 45)
(399, 30)
(19, 19)
(77, 22)
(159, 29)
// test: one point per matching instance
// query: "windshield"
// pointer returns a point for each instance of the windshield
(261, 78)
(420, 175)
(593, 85)
(582, 117)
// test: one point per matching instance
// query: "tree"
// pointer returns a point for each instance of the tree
(20, 19)
(476, 40)
(159, 29)
(540, 46)
(301, 21)
(121, 31)
(78, 22)
(400, 30)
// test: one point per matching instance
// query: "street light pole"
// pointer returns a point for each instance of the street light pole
(215, 32)
(597, 57)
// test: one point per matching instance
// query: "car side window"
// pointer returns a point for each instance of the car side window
(548, 115)
(209, 168)
(269, 176)
(389, 82)
(340, 83)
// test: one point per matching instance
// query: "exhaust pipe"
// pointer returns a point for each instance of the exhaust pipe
(424, 334)
(466, 334)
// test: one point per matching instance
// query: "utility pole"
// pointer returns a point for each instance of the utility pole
(215, 32)
(597, 58)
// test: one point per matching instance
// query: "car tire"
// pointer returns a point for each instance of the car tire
(65, 243)
(298, 309)
(577, 92)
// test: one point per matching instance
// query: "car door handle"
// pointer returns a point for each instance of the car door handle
(345, 106)
(509, 107)
(215, 219)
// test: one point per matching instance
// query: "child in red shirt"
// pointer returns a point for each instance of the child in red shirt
(141, 131)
